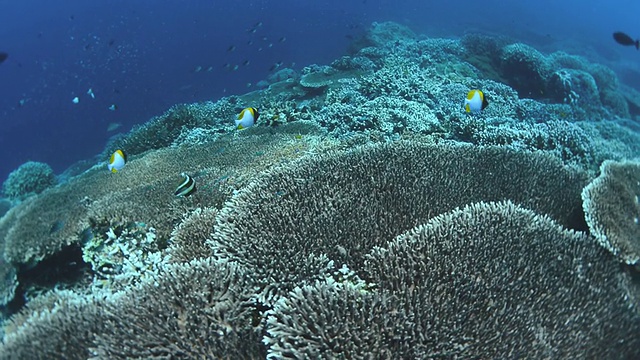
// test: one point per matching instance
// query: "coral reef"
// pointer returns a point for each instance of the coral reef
(455, 285)
(161, 131)
(342, 205)
(194, 310)
(365, 322)
(526, 69)
(365, 214)
(81, 212)
(188, 239)
(58, 325)
(208, 318)
(490, 269)
(28, 179)
(8, 282)
(5, 206)
(612, 209)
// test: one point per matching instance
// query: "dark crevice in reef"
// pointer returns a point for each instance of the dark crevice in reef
(65, 269)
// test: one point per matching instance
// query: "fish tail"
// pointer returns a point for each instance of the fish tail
(637, 44)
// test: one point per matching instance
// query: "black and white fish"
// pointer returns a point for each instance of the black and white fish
(186, 187)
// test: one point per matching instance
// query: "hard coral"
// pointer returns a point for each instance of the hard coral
(612, 209)
(59, 325)
(496, 268)
(195, 310)
(289, 226)
(525, 69)
(450, 287)
(161, 131)
(28, 179)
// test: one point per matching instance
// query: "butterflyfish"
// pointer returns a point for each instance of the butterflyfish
(247, 118)
(117, 161)
(475, 102)
(186, 187)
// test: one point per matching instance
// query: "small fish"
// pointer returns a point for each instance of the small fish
(75, 100)
(626, 40)
(56, 226)
(247, 118)
(231, 48)
(113, 127)
(90, 93)
(186, 187)
(117, 161)
(3, 57)
(475, 101)
(282, 39)
(246, 62)
(276, 66)
(113, 107)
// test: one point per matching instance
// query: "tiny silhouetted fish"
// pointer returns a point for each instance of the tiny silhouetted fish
(624, 39)
(56, 226)
(3, 56)
(231, 48)
(86, 235)
(111, 42)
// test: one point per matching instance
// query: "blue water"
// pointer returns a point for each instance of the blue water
(143, 56)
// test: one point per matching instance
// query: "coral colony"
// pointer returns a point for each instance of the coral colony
(363, 214)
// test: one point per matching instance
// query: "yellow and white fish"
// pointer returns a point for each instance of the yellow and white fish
(186, 187)
(247, 118)
(475, 102)
(117, 161)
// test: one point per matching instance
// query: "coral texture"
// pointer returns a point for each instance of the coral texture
(612, 209)
(291, 225)
(28, 179)
(196, 310)
(59, 325)
(486, 281)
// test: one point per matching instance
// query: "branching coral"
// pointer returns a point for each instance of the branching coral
(29, 179)
(289, 226)
(195, 310)
(612, 209)
(488, 280)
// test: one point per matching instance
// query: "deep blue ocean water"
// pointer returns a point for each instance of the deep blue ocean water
(144, 56)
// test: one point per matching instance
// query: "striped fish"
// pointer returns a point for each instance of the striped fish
(186, 187)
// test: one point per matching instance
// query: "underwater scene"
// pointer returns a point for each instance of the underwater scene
(327, 180)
